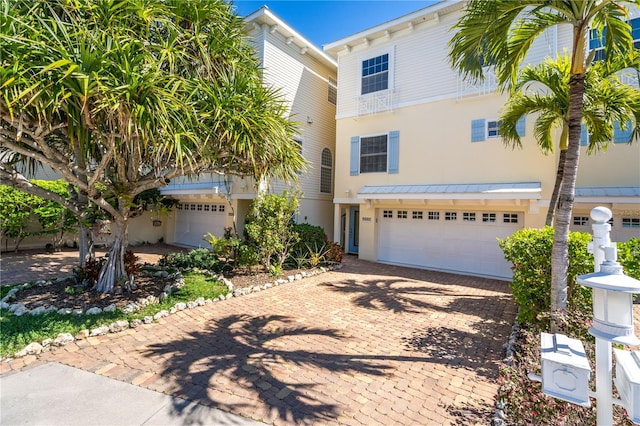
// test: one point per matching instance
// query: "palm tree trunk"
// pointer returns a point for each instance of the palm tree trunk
(560, 250)
(113, 271)
(556, 188)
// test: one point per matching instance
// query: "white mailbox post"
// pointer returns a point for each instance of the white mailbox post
(612, 309)
(628, 382)
(565, 369)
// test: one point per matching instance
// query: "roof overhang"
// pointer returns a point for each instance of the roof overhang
(608, 194)
(474, 191)
(196, 188)
(271, 20)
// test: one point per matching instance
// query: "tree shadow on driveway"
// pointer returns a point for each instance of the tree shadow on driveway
(246, 356)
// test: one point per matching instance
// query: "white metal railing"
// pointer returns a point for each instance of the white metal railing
(376, 102)
(487, 86)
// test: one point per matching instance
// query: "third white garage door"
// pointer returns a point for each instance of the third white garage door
(456, 240)
(193, 220)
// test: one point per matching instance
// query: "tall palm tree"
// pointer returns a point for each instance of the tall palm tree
(544, 89)
(121, 97)
(500, 32)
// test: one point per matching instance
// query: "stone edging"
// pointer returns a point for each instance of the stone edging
(35, 348)
(499, 417)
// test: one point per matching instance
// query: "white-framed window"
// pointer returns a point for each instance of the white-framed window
(433, 216)
(402, 214)
(488, 217)
(179, 206)
(214, 207)
(326, 171)
(493, 129)
(416, 214)
(387, 214)
(199, 207)
(375, 74)
(373, 154)
(450, 215)
(332, 90)
(207, 207)
(221, 208)
(510, 218)
(631, 222)
(597, 41)
(193, 207)
(468, 217)
(581, 220)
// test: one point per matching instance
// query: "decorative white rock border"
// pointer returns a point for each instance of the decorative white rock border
(62, 339)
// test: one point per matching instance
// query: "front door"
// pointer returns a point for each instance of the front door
(354, 229)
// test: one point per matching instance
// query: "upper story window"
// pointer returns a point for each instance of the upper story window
(375, 74)
(332, 91)
(326, 171)
(597, 41)
(493, 128)
(373, 154)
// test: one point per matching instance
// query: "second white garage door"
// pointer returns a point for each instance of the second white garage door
(194, 220)
(457, 241)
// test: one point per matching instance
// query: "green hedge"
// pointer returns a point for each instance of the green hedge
(529, 250)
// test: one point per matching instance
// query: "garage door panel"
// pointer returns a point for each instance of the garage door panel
(456, 245)
(194, 220)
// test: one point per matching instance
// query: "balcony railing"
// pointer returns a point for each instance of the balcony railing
(375, 103)
(489, 85)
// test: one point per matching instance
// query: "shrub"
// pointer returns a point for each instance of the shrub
(310, 237)
(131, 263)
(333, 253)
(629, 257)
(269, 227)
(529, 250)
(88, 275)
(198, 258)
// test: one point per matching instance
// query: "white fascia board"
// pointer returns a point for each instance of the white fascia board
(493, 195)
(621, 200)
(268, 17)
(368, 33)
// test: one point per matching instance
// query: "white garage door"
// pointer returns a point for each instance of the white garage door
(193, 220)
(459, 241)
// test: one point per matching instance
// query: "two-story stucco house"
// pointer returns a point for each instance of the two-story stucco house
(422, 175)
(306, 78)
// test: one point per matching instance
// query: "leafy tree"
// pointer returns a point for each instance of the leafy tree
(15, 214)
(544, 89)
(54, 218)
(121, 97)
(500, 33)
(270, 227)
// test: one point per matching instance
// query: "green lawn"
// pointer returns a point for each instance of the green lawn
(17, 332)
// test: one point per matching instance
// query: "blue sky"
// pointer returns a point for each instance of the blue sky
(323, 22)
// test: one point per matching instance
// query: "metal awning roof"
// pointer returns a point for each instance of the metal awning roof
(612, 194)
(519, 190)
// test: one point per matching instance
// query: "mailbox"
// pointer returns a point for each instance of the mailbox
(628, 381)
(565, 369)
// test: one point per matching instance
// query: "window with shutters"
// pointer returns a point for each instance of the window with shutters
(373, 154)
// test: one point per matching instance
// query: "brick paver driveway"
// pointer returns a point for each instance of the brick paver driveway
(368, 344)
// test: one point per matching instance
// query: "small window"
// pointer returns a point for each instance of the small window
(402, 214)
(450, 216)
(468, 217)
(510, 218)
(193, 207)
(332, 91)
(631, 222)
(179, 206)
(434, 216)
(493, 129)
(387, 213)
(326, 170)
(610, 222)
(206, 207)
(199, 207)
(581, 220)
(214, 207)
(221, 208)
(373, 154)
(375, 74)
(489, 217)
(416, 215)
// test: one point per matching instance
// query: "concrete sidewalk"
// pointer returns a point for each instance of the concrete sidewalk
(54, 394)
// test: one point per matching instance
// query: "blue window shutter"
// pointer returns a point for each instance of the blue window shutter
(521, 125)
(477, 130)
(355, 155)
(393, 151)
(619, 135)
(584, 135)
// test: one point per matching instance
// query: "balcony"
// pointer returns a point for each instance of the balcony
(466, 88)
(375, 103)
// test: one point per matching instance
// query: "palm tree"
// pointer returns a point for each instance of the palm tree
(544, 89)
(121, 97)
(500, 32)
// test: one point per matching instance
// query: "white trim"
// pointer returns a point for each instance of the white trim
(604, 199)
(370, 54)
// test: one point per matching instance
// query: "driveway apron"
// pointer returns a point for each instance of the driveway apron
(367, 344)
